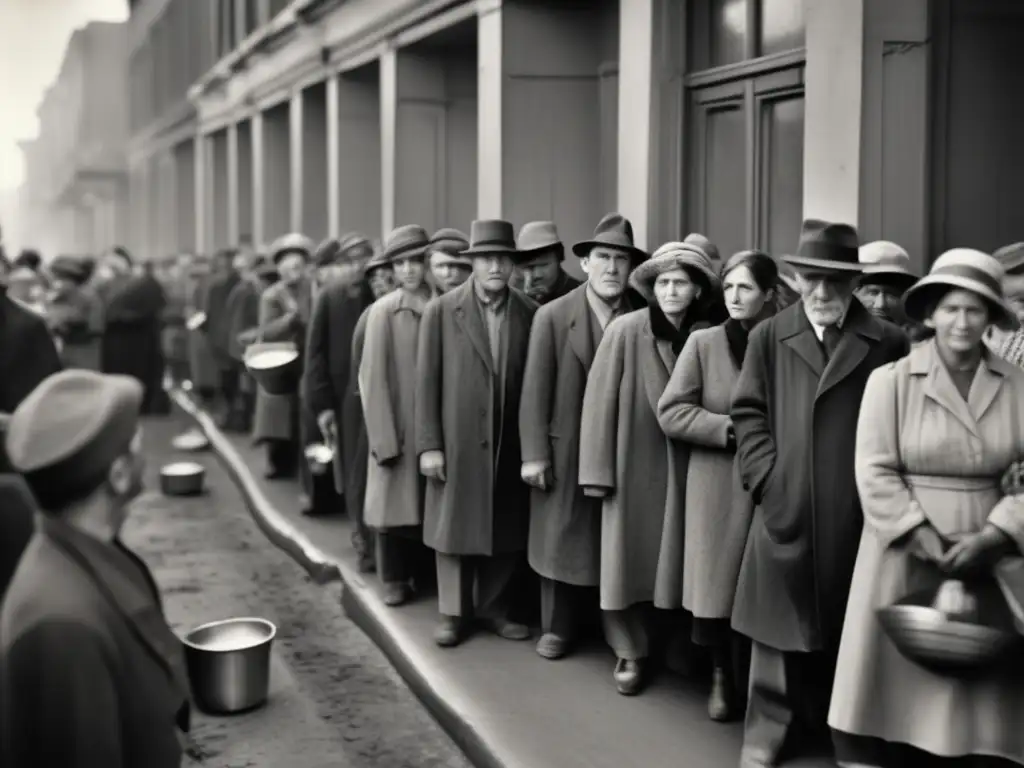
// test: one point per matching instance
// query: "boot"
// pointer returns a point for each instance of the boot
(720, 700)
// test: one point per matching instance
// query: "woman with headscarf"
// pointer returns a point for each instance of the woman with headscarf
(936, 432)
(694, 409)
(626, 459)
(75, 314)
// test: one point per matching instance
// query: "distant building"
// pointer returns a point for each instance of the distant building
(75, 190)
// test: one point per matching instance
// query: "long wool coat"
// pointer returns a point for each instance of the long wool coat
(202, 364)
(218, 323)
(795, 417)
(76, 318)
(565, 525)
(387, 388)
(483, 507)
(923, 454)
(694, 409)
(350, 462)
(624, 451)
(277, 415)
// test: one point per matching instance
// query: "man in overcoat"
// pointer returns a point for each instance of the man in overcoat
(795, 410)
(540, 258)
(448, 267)
(90, 672)
(243, 329)
(228, 266)
(565, 524)
(472, 356)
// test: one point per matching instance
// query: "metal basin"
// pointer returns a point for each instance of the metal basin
(229, 664)
(190, 442)
(197, 322)
(182, 478)
(319, 457)
(276, 366)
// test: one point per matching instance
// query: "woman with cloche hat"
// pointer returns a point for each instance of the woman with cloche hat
(937, 429)
(626, 459)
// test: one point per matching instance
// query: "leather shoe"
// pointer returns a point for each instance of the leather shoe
(396, 593)
(552, 646)
(510, 630)
(720, 700)
(449, 632)
(629, 676)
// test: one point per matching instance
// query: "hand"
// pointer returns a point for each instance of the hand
(327, 421)
(925, 543)
(596, 491)
(1012, 482)
(432, 465)
(537, 474)
(248, 336)
(978, 551)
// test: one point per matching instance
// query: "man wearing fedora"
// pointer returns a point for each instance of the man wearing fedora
(795, 409)
(472, 356)
(565, 524)
(448, 267)
(539, 262)
(887, 274)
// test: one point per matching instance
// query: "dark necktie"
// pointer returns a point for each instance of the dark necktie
(830, 340)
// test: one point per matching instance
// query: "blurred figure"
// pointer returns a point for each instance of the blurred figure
(243, 320)
(174, 333)
(26, 287)
(539, 262)
(90, 672)
(227, 270)
(448, 269)
(1009, 345)
(75, 314)
(203, 369)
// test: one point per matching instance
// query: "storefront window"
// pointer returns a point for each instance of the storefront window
(723, 32)
(781, 26)
(728, 31)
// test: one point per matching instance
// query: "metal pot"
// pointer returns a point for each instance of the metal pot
(189, 442)
(276, 366)
(229, 664)
(182, 478)
(319, 457)
(197, 322)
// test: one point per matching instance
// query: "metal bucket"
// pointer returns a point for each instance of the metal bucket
(229, 664)
(319, 457)
(182, 478)
(276, 366)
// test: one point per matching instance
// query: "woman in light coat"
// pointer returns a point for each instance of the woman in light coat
(626, 459)
(694, 409)
(937, 430)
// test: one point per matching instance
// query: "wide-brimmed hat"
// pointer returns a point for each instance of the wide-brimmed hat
(264, 267)
(538, 236)
(1011, 257)
(70, 268)
(702, 242)
(378, 260)
(827, 247)
(352, 243)
(407, 241)
(970, 270)
(886, 262)
(327, 253)
(672, 256)
(448, 245)
(490, 236)
(293, 242)
(613, 231)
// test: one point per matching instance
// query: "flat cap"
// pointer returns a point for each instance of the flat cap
(69, 430)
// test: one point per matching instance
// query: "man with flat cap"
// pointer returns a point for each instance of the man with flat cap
(795, 409)
(472, 354)
(448, 267)
(539, 262)
(887, 273)
(90, 673)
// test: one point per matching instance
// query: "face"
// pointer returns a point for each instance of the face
(492, 271)
(608, 271)
(242, 261)
(125, 481)
(540, 274)
(1013, 288)
(744, 299)
(409, 272)
(291, 267)
(327, 273)
(825, 295)
(675, 292)
(882, 301)
(959, 321)
(382, 281)
(447, 275)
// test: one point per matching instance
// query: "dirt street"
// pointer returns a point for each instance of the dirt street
(334, 700)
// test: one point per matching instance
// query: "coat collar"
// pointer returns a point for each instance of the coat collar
(407, 302)
(657, 360)
(581, 336)
(468, 316)
(924, 361)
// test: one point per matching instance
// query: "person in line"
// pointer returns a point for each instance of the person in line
(205, 374)
(627, 461)
(75, 314)
(565, 524)
(1010, 344)
(887, 274)
(448, 267)
(393, 505)
(229, 264)
(470, 363)
(541, 254)
(174, 334)
(715, 304)
(936, 431)
(90, 672)
(694, 409)
(243, 321)
(795, 410)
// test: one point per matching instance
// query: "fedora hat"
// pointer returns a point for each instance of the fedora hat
(487, 236)
(1011, 257)
(293, 242)
(613, 231)
(668, 257)
(447, 246)
(536, 236)
(827, 247)
(967, 269)
(884, 261)
(352, 243)
(409, 240)
(378, 260)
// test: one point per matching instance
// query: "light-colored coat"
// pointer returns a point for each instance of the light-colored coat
(624, 452)
(387, 389)
(923, 454)
(695, 409)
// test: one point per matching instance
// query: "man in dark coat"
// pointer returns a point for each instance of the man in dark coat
(90, 672)
(539, 262)
(227, 267)
(795, 409)
(470, 364)
(243, 311)
(565, 525)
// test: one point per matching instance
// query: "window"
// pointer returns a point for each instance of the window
(723, 32)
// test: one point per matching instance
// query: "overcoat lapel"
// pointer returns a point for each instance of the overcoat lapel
(858, 329)
(581, 338)
(468, 317)
(939, 386)
(656, 374)
(986, 386)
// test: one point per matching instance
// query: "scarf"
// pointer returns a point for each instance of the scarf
(664, 330)
(736, 335)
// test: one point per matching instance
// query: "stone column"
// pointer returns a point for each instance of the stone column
(232, 162)
(200, 186)
(489, 89)
(333, 158)
(636, 33)
(256, 131)
(388, 129)
(296, 140)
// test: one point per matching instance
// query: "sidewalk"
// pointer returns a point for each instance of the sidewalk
(502, 704)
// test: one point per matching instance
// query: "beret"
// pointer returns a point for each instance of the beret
(69, 430)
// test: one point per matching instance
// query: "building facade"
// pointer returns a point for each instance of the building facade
(74, 198)
(736, 118)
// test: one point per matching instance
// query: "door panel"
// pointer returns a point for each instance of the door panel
(420, 165)
(781, 169)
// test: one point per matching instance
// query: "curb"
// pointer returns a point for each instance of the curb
(358, 600)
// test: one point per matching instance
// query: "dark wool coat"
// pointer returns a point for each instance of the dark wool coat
(202, 364)
(218, 322)
(796, 420)
(90, 673)
(174, 336)
(132, 335)
(483, 507)
(565, 525)
(350, 462)
(566, 284)
(244, 317)
(76, 317)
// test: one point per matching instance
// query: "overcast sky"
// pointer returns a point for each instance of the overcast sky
(33, 36)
